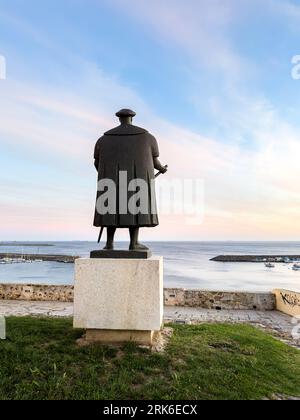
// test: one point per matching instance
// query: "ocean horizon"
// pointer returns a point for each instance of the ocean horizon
(184, 266)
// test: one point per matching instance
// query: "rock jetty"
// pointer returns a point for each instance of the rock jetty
(257, 258)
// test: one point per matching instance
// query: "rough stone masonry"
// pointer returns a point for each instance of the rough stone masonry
(173, 297)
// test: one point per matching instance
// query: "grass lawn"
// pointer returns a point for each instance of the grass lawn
(40, 360)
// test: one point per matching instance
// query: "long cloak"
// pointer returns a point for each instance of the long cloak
(131, 149)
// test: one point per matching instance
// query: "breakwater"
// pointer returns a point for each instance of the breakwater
(41, 257)
(257, 258)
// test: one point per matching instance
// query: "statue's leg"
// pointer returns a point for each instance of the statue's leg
(110, 238)
(134, 240)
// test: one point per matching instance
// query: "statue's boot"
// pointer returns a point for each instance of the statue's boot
(134, 240)
(110, 239)
(138, 247)
(108, 247)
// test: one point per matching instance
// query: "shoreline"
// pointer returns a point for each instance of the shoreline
(219, 258)
(11, 244)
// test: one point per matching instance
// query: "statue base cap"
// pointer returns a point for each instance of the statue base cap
(122, 254)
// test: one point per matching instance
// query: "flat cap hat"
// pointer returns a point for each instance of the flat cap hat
(126, 113)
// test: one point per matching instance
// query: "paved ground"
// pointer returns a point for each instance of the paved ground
(279, 324)
(24, 308)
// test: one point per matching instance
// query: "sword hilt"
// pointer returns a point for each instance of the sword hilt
(159, 173)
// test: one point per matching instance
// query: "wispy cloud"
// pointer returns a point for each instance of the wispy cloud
(286, 9)
(249, 163)
(200, 28)
(255, 185)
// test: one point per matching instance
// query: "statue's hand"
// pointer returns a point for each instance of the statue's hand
(159, 167)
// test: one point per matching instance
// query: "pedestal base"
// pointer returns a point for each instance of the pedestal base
(144, 338)
(122, 254)
(119, 300)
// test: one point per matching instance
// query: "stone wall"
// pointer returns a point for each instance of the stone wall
(220, 300)
(36, 292)
(173, 297)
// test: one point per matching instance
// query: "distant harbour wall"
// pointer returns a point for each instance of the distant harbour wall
(173, 297)
(256, 258)
(42, 257)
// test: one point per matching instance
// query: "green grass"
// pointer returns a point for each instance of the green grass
(40, 360)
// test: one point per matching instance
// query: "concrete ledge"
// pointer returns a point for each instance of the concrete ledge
(172, 297)
(287, 302)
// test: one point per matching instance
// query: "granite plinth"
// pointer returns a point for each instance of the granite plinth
(119, 299)
(121, 254)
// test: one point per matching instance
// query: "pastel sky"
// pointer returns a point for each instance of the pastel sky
(211, 79)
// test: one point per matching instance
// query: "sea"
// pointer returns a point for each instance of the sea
(186, 264)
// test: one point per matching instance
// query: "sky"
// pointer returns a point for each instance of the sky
(210, 79)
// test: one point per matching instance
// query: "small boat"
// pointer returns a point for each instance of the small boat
(269, 265)
(18, 260)
(296, 267)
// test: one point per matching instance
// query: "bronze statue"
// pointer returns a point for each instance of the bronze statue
(132, 151)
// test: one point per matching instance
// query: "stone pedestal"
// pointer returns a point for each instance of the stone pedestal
(118, 300)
